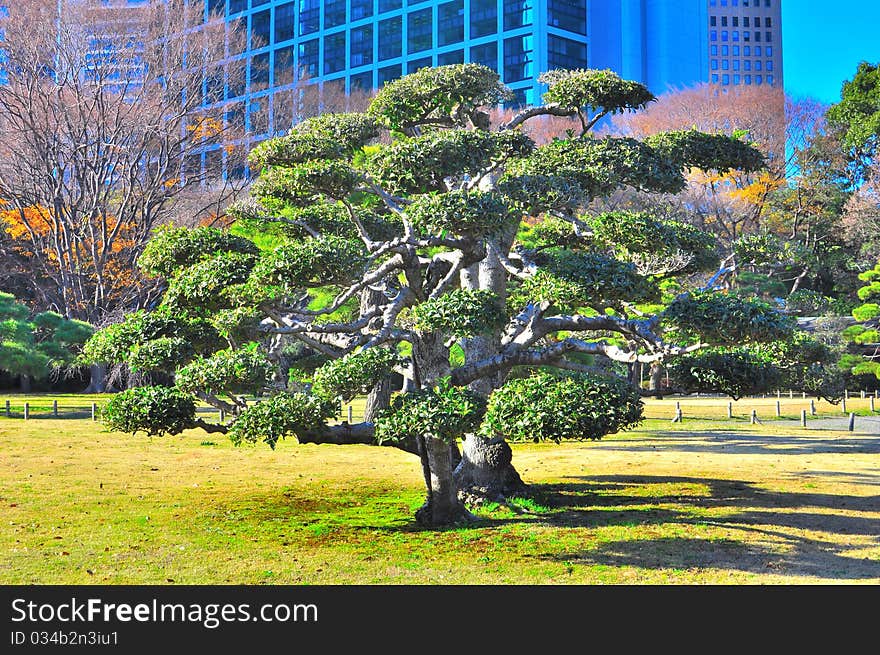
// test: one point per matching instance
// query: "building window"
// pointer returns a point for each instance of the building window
(747, 65)
(454, 57)
(237, 5)
(309, 16)
(725, 79)
(769, 79)
(736, 64)
(747, 51)
(283, 68)
(419, 31)
(484, 18)
(736, 79)
(758, 51)
(714, 50)
(418, 64)
(768, 66)
(758, 65)
(334, 13)
(714, 79)
(360, 9)
(748, 79)
(713, 21)
(389, 5)
(570, 15)
(724, 21)
(724, 35)
(388, 74)
(736, 51)
(725, 64)
(747, 36)
(714, 64)
(735, 35)
(746, 21)
(259, 72)
(518, 59)
(736, 21)
(486, 54)
(334, 53)
(284, 22)
(390, 38)
(768, 22)
(768, 36)
(565, 53)
(361, 46)
(757, 21)
(757, 36)
(517, 13)
(725, 50)
(713, 35)
(308, 58)
(260, 29)
(758, 79)
(361, 82)
(450, 23)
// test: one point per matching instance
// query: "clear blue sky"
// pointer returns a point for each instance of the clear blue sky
(823, 42)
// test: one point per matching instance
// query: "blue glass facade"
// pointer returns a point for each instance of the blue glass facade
(361, 44)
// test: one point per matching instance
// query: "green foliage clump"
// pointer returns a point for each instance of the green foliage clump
(694, 149)
(599, 166)
(280, 415)
(571, 279)
(735, 372)
(594, 89)
(444, 412)
(442, 94)
(807, 302)
(353, 374)
(857, 114)
(173, 248)
(719, 319)
(154, 410)
(310, 263)
(461, 312)
(34, 346)
(161, 354)
(469, 213)
(532, 195)
(305, 183)
(549, 407)
(422, 164)
(243, 370)
(204, 284)
(632, 234)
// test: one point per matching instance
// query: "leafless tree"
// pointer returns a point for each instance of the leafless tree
(112, 122)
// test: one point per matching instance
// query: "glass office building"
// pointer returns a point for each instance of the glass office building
(361, 44)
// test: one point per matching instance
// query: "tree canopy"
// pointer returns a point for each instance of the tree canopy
(461, 256)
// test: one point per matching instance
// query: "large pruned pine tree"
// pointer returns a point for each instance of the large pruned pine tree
(419, 238)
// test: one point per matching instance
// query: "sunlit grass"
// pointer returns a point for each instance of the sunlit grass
(706, 502)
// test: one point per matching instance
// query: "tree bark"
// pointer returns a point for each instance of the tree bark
(25, 383)
(486, 473)
(97, 379)
(442, 505)
(657, 379)
(378, 399)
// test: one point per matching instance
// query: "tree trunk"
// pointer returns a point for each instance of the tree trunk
(378, 399)
(657, 379)
(442, 505)
(25, 383)
(485, 472)
(97, 379)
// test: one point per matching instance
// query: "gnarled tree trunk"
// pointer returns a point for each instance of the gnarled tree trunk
(485, 472)
(97, 379)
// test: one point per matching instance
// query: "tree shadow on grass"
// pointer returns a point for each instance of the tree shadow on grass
(744, 443)
(761, 515)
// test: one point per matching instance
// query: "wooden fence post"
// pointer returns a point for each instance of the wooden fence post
(94, 411)
(803, 418)
(778, 409)
(812, 407)
(349, 415)
(754, 418)
(852, 421)
(872, 403)
(27, 411)
(843, 405)
(55, 408)
(8, 410)
(729, 410)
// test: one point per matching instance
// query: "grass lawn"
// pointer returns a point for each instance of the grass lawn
(719, 502)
